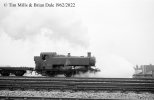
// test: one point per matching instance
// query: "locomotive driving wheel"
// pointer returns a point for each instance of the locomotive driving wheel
(68, 74)
(51, 74)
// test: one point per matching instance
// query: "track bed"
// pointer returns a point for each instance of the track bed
(77, 84)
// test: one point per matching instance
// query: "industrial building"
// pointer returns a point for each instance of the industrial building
(144, 71)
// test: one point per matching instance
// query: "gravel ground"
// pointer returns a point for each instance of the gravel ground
(80, 94)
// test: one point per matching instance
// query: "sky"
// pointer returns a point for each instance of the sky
(119, 33)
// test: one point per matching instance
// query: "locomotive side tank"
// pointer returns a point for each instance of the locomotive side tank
(51, 64)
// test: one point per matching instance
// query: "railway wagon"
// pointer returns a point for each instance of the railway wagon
(17, 71)
(51, 64)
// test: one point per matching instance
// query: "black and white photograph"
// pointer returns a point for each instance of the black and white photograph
(76, 49)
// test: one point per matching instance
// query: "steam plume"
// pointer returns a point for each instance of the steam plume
(57, 24)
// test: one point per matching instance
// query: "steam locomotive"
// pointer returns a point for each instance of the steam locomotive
(52, 64)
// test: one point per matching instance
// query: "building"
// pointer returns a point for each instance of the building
(144, 71)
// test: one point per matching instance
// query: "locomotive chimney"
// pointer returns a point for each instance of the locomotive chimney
(89, 54)
(69, 54)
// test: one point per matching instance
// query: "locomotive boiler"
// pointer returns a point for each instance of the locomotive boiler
(51, 64)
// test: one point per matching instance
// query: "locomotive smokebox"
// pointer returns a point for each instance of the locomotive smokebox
(89, 54)
(69, 54)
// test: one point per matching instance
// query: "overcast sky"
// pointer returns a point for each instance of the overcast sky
(119, 33)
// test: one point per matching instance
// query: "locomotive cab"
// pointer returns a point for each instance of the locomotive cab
(46, 55)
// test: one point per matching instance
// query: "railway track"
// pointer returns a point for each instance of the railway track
(77, 84)
(41, 98)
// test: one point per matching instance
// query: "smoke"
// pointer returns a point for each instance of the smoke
(58, 24)
(25, 32)
(114, 66)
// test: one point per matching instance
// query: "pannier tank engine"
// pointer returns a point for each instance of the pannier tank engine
(51, 64)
